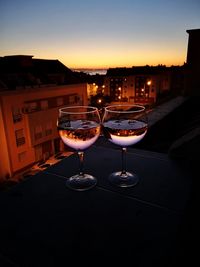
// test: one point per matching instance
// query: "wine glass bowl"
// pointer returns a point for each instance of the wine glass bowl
(124, 125)
(79, 128)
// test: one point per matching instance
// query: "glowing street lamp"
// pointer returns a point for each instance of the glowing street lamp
(149, 83)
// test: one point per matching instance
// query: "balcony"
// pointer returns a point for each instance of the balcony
(155, 223)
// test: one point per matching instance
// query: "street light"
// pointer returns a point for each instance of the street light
(149, 83)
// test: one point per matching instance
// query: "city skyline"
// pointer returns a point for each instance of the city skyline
(99, 34)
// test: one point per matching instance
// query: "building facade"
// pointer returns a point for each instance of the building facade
(28, 131)
(193, 63)
(142, 84)
(132, 89)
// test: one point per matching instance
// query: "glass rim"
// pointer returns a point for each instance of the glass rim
(142, 108)
(93, 109)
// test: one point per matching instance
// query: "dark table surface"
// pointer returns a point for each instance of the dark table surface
(43, 223)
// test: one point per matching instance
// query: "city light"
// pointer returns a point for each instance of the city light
(149, 83)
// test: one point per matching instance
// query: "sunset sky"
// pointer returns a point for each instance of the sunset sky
(97, 34)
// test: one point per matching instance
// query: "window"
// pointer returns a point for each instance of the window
(71, 99)
(142, 87)
(48, 128)
(44, 104)
(74, 99)
(38, 132)
(59, 101)
(38, 152)
(32, 106)
(16, 113)
(20, 139)
(77, 99)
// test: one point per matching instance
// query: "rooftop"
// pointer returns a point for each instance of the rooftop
(150, 70)
(21, 70)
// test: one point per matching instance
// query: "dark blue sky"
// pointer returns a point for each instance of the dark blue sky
(91, 33)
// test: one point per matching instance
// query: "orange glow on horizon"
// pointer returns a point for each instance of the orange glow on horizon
(108, 57)
(113, 64)
(113, 60)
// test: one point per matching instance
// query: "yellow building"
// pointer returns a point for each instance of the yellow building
(28, 118)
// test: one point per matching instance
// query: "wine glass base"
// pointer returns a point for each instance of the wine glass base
(123, 179)
(81, 182)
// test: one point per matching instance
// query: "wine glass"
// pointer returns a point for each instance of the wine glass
(124, 125)
(79, 128)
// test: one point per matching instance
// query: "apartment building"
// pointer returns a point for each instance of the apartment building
(130, 89)
(28, 118)
(142, 84)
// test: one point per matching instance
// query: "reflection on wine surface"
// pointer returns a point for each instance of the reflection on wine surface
(124, 132)
(79, 134)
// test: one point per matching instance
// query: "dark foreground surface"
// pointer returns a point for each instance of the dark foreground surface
(178, 123)
(155, 223)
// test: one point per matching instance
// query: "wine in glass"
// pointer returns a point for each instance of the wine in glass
(124, 125)
(79, 128)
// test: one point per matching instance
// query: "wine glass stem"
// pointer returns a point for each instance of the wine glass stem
(124, 149)
(81, 156)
